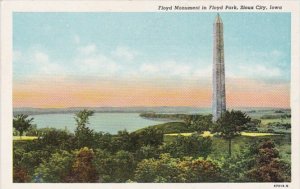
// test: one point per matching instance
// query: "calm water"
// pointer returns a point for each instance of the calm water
(107, 122)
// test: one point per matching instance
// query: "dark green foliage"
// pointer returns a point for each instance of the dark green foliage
(200, 170)
(22, 123)
(278, 111)
(133, 141)
(82, 117)
(193, 146)
(252, 125)
(199, 123)
(170, 127)
(52, 140)
(153, 115)
(278, 125)
(234, 167)
(230, 124)
(150, 136)
(58, 139)
(164, 169)
(146, 152)
(102, 140)
(28, 160)
(276, 116)
(56, 169)
(83, 134)
(122, 141)
(168, 169)
(117, 167)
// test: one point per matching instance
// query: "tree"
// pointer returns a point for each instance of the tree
(118, 167)
(169, 169)
(268, 166)
(121, 141)
(57, 169)
(83, 169)
(150, 136)
(103, 141)
(201, 123)
(84, 135)
(230, 124)
(147, 152)
(200, 170)
(193, 145)
(164, 169)
(22, 123)
(124, 166)
(82, 117)
(53, 139)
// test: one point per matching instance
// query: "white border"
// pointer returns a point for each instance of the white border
(7, 7)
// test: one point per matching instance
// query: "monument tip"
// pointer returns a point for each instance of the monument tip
(218, 19)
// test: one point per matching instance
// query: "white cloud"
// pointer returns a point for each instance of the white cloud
(88, 49)
(203, 72)
(98, 63)
(260, 71)
(124, 53)
(254, 72)
(166, 69)
(40, 57)
(264, 66)
(44, 65)
(93, 63)
(90, 61)
(35, 62)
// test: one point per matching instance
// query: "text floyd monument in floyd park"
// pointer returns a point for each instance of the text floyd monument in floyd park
(219, 96)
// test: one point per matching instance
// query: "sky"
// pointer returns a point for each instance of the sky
(148, 59)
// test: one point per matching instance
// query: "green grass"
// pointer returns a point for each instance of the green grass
(17, 138)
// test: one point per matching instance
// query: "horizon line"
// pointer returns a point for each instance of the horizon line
(229, 107)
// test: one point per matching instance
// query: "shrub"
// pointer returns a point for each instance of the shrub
(117, 167)
(57, 169)
(193, 145)
(268, 167)
(83, 168)
(20, 175)
(168, 169)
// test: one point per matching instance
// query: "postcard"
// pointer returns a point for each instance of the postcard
(150, 94)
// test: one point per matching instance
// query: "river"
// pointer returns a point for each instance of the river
(106, 122)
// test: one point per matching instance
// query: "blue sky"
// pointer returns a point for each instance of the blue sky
(175, 47)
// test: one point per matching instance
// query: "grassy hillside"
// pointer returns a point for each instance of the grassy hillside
(170, 127)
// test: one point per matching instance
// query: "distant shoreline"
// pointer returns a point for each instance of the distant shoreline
(162, 109)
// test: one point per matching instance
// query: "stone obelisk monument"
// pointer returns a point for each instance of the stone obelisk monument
(219, 96)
